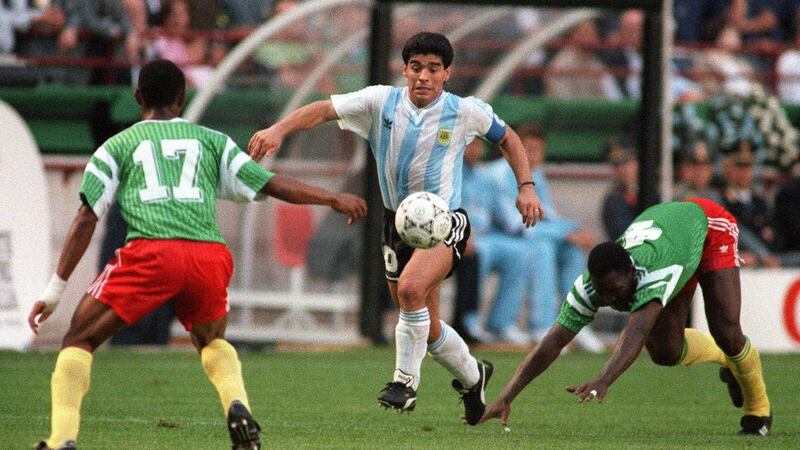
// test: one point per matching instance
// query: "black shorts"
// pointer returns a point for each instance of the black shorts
(397, 253)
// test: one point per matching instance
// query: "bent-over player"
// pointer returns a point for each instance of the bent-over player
(652, 270)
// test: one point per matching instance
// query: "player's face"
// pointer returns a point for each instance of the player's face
(425, 75)
(616, 289)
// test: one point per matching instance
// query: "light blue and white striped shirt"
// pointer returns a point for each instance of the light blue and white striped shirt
(417, 149)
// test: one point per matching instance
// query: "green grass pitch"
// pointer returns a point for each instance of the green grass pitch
(162, 400)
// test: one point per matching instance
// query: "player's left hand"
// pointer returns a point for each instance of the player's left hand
(590, 391)
(39, 307)
(529, 206)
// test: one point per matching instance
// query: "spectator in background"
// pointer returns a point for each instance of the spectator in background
(759, 21)
(787, 69)
(484, 252)
(620, 203)
(501, 251)
(558, 244)
(575, 72)
(17, 16)
(555, 248)
(111, 36)
(690, 19)
(246, 14)
(625, 44)
(786, 219)
(527, 21)
(720, 70)
(192, 54)
(138, 12)
(696, 173)
(748, 205)
(50, 39)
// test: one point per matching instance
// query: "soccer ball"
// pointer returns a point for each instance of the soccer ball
(423, 220)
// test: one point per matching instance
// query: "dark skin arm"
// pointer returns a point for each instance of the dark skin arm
(78, 238)
(536, 362)
(629, 345)
(295, 191)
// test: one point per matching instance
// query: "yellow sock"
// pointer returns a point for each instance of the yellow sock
(699, 347)
(69, 383)
(746, 367)
(223, 368)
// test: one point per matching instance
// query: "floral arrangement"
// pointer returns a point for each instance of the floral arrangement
(758, 119)
(688, 127)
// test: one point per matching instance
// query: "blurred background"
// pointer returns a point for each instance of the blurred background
(68, 68)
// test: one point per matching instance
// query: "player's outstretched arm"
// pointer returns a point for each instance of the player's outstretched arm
(630, 344)
(292, 190)
(78, 238)
(536, 362)
(527, 202)
(267, 141)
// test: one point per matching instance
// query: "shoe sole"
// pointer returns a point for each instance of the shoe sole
(245, 440)
(734, 390)
(409, 405)
(239, 424)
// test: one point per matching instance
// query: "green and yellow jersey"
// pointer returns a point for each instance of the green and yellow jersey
(665, 243)
(167, 175)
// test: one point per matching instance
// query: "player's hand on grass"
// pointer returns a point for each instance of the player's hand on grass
(264, 143)
(499, 409)
(589, 391)
(529, 206)
(353, 206)
(41, 310)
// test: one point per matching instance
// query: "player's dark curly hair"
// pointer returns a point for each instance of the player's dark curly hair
(427, 43)
(161, 82)
(608, 257)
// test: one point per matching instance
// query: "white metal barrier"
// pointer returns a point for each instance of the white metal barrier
(265, 316)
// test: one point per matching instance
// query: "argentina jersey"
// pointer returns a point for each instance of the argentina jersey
(417, 149)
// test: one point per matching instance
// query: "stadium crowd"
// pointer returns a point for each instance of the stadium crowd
(721, 45)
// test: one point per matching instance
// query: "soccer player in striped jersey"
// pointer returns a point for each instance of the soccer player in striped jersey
(652, 271)
(166, 174)
(417, 134)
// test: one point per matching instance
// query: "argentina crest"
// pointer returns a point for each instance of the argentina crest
(443, 135)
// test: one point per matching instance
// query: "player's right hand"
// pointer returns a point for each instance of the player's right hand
(264, 143)
(351, 205)
(499, 409)
(39, 307)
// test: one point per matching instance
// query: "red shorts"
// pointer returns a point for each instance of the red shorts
(721, 247)
(148, 272)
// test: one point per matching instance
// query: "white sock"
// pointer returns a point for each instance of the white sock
(452, 353)
(411, 336)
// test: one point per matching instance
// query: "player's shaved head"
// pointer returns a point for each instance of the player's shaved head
(427, 43)
(161, 83)
(608, 257)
